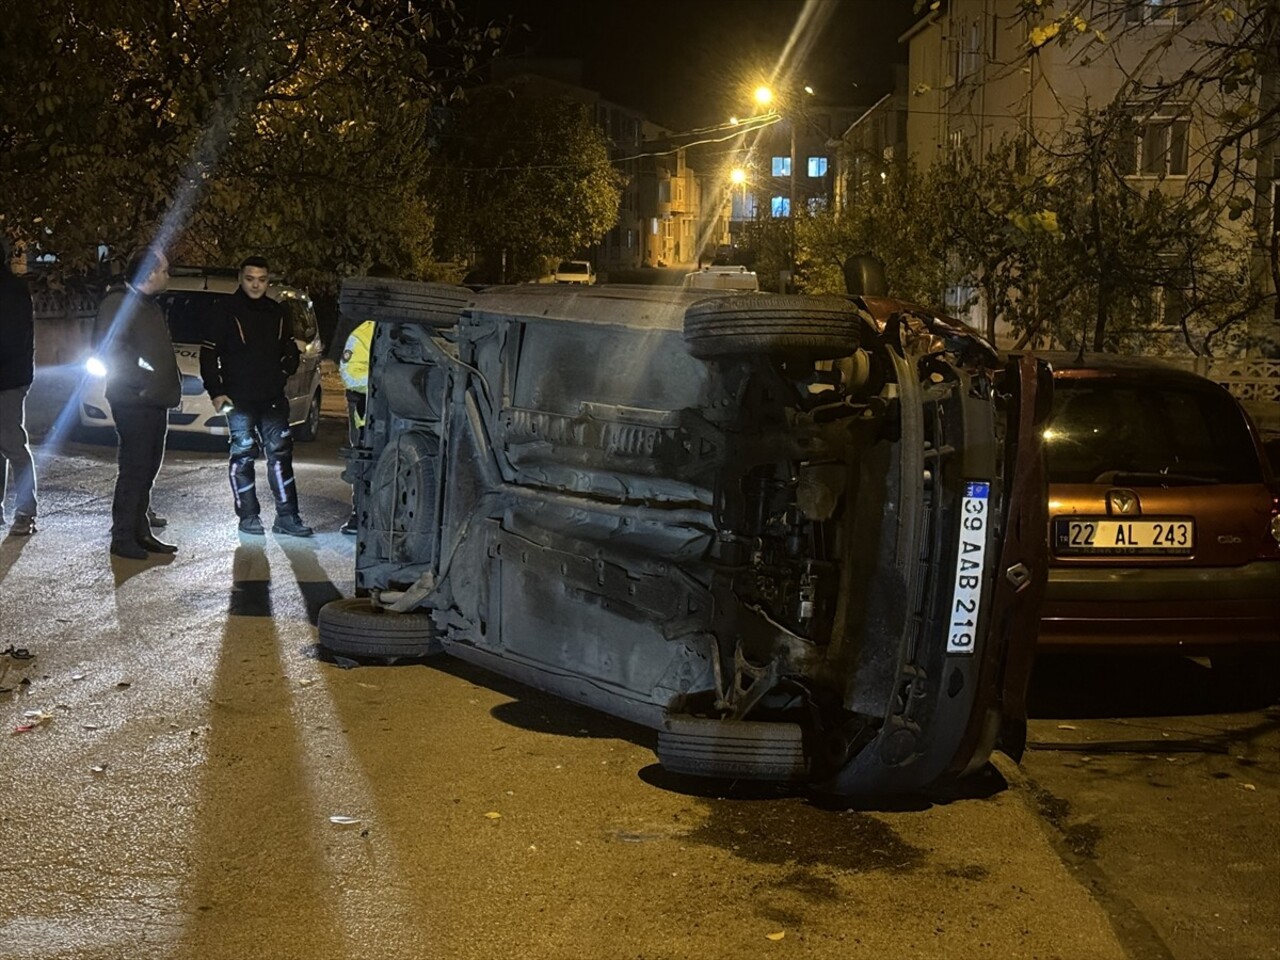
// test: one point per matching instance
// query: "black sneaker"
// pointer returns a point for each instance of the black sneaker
(251, 525)
(23, 525)
(291, 525)
(352, 526)
(156, 521)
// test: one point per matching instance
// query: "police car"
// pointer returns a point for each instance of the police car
(189, 302)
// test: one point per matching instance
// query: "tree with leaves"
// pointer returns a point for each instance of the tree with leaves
(1227, 72)
(521, 180)
(297, 129)
(899, 220)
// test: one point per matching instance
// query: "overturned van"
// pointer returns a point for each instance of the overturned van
(801, 537)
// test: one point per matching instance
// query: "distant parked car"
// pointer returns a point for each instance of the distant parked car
(1164, 518)
(188, 303)
(575, 271)
(737, 278)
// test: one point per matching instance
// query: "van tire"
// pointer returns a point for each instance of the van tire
(355, 628)
(379, 298)
(774, 325)
(402, 499)
(732, 749)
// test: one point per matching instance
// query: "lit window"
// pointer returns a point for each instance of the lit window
(780, 206)
(782, 166)
(817, 166)
(744, 207)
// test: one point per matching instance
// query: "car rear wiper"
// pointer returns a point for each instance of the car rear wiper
(1149, 477)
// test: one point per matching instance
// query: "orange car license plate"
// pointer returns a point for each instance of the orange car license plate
(1085, 535)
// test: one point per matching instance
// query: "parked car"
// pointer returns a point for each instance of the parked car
(801, 537)
(1164, 518)
(574, 271)
(188, 302)
(722, 278)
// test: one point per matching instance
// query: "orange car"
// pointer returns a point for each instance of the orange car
(1164, 518)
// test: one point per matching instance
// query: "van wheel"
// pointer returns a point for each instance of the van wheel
(378, 298)
(735, 749)
(355, 628)
(773, 325)
(309, 428)
(402, 499)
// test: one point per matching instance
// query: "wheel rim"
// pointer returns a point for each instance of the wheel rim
(404, 498)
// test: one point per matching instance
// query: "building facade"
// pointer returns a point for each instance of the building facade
(980, 72)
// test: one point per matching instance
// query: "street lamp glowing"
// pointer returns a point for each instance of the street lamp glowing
(764, 96)
(738, 176)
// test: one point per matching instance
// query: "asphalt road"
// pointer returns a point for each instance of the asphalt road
(176, 795)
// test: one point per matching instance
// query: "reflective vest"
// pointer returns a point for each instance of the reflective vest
(354, 366)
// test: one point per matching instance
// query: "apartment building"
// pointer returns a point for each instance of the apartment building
(791, 162)
(868, 147)
(980, 71)
(661, 211)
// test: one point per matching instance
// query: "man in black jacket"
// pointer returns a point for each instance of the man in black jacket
(142, 384)
(17, 354)
(245, 363)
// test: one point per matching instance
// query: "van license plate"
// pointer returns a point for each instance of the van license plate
(970, 567)
(1106, 535)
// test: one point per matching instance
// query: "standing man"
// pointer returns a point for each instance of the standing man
(143, 383)
(17, 366)
(245, 363)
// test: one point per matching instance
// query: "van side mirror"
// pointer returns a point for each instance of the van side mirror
(864, 276)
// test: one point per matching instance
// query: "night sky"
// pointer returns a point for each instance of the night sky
(689, 63)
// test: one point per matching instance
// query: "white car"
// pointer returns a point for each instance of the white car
(575, 271)
(188, 303)
(737, 278)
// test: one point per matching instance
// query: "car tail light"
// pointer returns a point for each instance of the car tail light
(1269, 549)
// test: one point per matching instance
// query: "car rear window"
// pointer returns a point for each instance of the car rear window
(570, 267)
(1103, 427)
(189, 314)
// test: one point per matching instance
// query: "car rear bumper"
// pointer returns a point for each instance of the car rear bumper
(1189, 611)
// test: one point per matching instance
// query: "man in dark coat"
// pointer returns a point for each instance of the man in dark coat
(245, 362)
(17, 365)
(143, 383)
